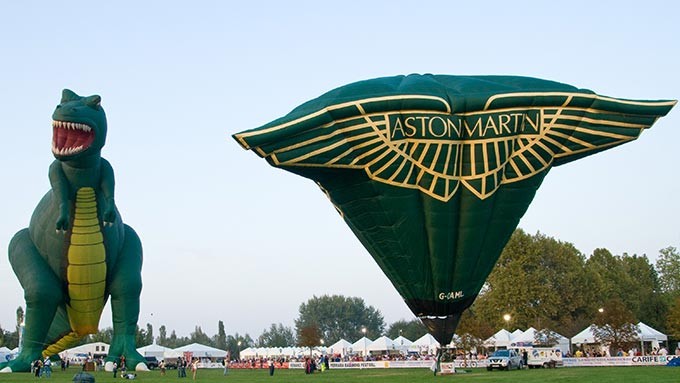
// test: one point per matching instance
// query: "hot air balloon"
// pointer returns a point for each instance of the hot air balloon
(433, 172)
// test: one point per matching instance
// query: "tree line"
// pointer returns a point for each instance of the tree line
(538, 281)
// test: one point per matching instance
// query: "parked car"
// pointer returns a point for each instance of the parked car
(151, 362)
(504, 360)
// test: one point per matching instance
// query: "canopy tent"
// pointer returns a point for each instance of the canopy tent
(401, 343)
(202, 351)
(361, 346)
(425, 344)
(528, 338)
(249, 352)
(648, 334)
(340, 347)
(153, 350)
(502, 338)
(382, 344)
(584, 337)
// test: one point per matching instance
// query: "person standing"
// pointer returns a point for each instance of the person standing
(194, 368)
(47, 368)
(271, 367)
(226, 364)
(36, 367)
(115, 369)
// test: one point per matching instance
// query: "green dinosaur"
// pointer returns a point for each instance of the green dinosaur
(76, 251)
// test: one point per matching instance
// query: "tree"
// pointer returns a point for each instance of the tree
(546, 338)
(221, 339)
(20, 318)
(309, 336)
(668, 267)
(644, 297)
(615, 326)
(144, 337)
(149, 334)
(236, 343)
(198, 336)
(540, 282)
(631, 280)
(277, 336)
(3, 337)
(412, 330)
(162, 335)
(105, 335)
(673, 320)
(472, 324)
(339, 317)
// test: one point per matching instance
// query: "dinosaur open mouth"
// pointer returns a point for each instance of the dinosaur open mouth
(69, 138)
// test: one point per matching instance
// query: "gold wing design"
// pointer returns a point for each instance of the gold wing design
(551, 128)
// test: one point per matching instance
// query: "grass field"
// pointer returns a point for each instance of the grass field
(580, 375)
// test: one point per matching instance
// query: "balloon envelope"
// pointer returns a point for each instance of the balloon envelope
(432, 173)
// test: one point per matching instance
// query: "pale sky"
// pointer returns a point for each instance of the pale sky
(228, 237)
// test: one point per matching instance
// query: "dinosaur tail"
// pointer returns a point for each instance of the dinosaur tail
(86, 270)
(67, 341)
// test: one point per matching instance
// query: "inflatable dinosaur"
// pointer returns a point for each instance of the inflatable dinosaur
(76, 251)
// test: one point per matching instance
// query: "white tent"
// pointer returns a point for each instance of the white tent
(648, 334)
(584, 337)
(153, 350)
(502, 338)
(382, 344)
(361, 346)
(202, 351)
(249, 352)
(340, 347)
(425, 344)
(526, 338)
(401, 343)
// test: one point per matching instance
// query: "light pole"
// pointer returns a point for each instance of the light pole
(363, 330)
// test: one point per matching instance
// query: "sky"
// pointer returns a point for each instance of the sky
(228, 237)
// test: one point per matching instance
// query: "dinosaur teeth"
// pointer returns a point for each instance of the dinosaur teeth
(70, 138)
(71, 125)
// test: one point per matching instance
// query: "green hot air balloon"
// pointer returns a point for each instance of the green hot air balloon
(432, 172)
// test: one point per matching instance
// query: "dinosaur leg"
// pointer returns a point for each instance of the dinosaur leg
(43, 293)
(125, 287)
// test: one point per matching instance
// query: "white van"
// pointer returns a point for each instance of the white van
(545, 357)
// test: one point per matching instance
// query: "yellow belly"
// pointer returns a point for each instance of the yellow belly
(86, 270)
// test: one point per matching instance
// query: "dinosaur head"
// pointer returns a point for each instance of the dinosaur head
(78, 127)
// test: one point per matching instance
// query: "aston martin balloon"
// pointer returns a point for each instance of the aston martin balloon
(432, 173)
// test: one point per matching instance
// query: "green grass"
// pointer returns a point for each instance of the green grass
(575, 374)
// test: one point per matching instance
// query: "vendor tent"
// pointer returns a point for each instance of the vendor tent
(361, 346)
(153, 350)
(340, 347)
(401, 343)
(584, 337)
(249, 352)
(425, 344)
(502, 338)
(202, 351)
(648, 334)
(382, 344)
